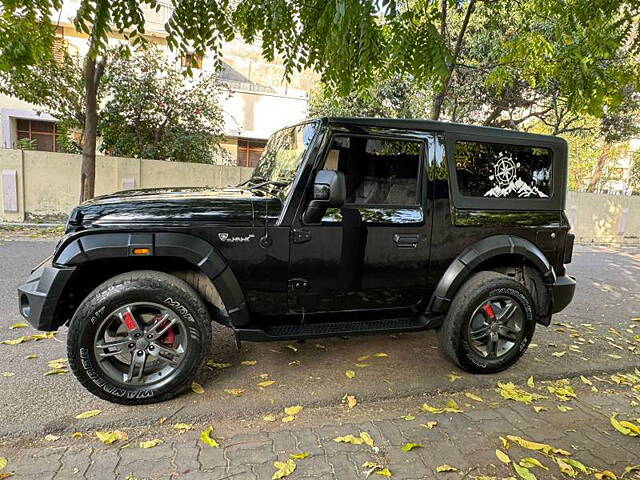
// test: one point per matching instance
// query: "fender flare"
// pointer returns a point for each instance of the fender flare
(198, 252)
(465, 263)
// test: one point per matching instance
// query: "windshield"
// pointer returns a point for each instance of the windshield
(282, 156)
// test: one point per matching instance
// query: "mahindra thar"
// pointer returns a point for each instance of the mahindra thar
(347, 226)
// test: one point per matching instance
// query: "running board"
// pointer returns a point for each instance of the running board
(314, 330)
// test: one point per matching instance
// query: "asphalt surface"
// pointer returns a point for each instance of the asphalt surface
(598, 326)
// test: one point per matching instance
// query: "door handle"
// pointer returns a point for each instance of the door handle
(406, 240)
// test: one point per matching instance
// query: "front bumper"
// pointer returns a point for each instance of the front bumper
(38, 297)
(562, 293)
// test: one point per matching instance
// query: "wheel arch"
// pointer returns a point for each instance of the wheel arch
(498, 252)
(98, 256)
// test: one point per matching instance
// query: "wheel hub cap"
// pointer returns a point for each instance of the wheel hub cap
(496, 327)
(141, 343)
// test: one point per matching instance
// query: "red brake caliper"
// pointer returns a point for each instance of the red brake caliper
(129, 321)
(169, 337)
(489, 309)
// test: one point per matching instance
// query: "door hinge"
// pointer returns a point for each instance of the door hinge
(297, 284)
(300, 235)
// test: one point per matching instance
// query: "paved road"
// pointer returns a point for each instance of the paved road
(599, 329)
(467, 441)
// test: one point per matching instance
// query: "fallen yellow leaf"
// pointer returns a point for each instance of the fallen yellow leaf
(446, 468)
(407, 447)
(269, 417)
(110, 437)
(524, 472)
(429, 425)
(236, 392)
(266, 383)
(18, 325)
(350, 373)
(351, 401)
(182, 427)
(503, 457)
(248, 363)
(530, 462)
(207, 439)
(197, 388)
(288, 418)
(283, 469)
(540, 447)
(88, 414)
(217, 365)
(510, 391)
(380, 355)
(473, 396)
(295, 410)
(151, 443)
(299, 456)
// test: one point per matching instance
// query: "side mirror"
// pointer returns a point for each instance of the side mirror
(329, 190)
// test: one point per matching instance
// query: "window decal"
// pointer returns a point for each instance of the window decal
(496, 170)
(507, 182)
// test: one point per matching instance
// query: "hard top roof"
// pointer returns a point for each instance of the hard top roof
(437, 126)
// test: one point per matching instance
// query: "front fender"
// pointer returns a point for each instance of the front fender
(198, 252)
(487, 248)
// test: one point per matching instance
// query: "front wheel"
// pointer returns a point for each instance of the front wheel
(140, 337)
(489, 325)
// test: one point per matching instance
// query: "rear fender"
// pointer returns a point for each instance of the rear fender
(467, 262)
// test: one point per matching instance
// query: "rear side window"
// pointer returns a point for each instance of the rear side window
(503, 171)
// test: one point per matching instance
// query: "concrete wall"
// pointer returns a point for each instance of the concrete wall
(47, 185)
(600, 218)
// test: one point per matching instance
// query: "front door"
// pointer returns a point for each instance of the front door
(373, 252)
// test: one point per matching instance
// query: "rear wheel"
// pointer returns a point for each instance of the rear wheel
(489, 325)
(140, 337)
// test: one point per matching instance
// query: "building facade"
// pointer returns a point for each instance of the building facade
(257, 103)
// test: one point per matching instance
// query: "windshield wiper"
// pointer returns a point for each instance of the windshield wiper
(263, 183)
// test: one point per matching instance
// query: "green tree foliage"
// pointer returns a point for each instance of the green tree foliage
(154, 111)
(55, 87)
(634, 172)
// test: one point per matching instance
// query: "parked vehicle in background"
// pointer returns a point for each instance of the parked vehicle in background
(347, 226)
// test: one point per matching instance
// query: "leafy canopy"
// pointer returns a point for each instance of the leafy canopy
(154, 111)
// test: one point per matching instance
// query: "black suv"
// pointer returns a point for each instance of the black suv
(346, 226)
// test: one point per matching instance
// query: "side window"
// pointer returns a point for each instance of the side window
(377, 171)
(507, 171)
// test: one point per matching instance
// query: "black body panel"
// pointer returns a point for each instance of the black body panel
(368, 267)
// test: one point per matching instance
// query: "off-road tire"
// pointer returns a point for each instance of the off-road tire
(477, 289)
(138, 286)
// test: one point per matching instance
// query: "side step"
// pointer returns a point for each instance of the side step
(314, 330)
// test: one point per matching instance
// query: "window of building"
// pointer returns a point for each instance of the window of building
(249, 151)
(377, 171)
(192, 60)
(41, 133)
(507, 171)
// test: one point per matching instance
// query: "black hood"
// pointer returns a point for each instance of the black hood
(237, 206)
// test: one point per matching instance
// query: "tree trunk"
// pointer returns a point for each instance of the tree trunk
(88, 171)
(438, 98)
(93, 71)
(599, 170)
